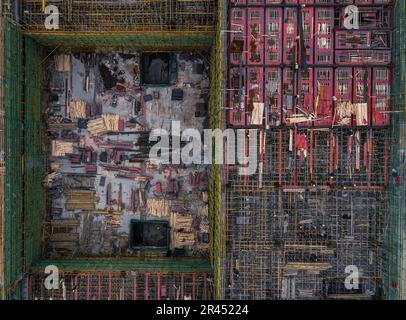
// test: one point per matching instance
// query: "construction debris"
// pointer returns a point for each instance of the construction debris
(102, 174)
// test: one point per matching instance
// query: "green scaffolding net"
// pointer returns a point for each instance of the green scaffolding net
(34, 153)
(12, 215)
(393, 263)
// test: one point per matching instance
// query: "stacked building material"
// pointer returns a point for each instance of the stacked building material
(79, 109)
(107, 122)
(61, 148)
(80, 199)
(62, 62)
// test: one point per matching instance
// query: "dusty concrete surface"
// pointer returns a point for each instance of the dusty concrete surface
(99, 116)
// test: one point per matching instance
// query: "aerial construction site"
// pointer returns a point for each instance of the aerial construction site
(308, 202)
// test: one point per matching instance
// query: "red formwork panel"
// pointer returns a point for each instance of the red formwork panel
(258, 2)
(237, 96)
(290, 34)
(383, 1)
(341, 1)
(343, 96)
(362, 39)
(238, 2)
(324, 37)
(273, 1)
(305, 104)
(255, 40)
(361, 95)
(308, 32)
(291, 1)
(273, 96)
(306, 1)
(370, 17)
(288, 93)
(238, 39)
(364, 2)
(323, 95)
(363, 57)
(255, 92)
(380, 96)
(273, 36)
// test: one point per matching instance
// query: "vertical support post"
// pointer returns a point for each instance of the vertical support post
(146, 286)
(134, 286)
(193, 286)
(88, 287)
(280, 157)
(158, 286)
(331, 152)
(205, 287)
(181, 286)
(109, 285)
(246, 146)
(99, 286)
(386, 159)
(311, 155)
(76, 288)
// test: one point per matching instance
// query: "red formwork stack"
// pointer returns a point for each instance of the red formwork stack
(317, 86)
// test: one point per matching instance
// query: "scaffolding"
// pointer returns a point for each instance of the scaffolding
(123, 16)
(181, 25)
(124, 285)
(327, 195)
(156, 25)
(11, 215)
(34, 152)
(294, 240)
(215, 189)
(2, 146)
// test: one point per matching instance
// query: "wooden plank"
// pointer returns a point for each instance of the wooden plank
(64, 237)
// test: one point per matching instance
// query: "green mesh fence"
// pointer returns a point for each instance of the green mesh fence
(169, 265)
(154, 41)
(13, 180)
(394, 243)
(34, 153)
(215, 179)
(24, 195)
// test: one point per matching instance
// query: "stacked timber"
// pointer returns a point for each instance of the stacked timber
(182, 221)
(308, 266)
(62, 62)
(107, 122)
(184, 239)
(79, 109)
(65, 240)
(61, 148)
(183, 235)
(159, 207)
(80, 199)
